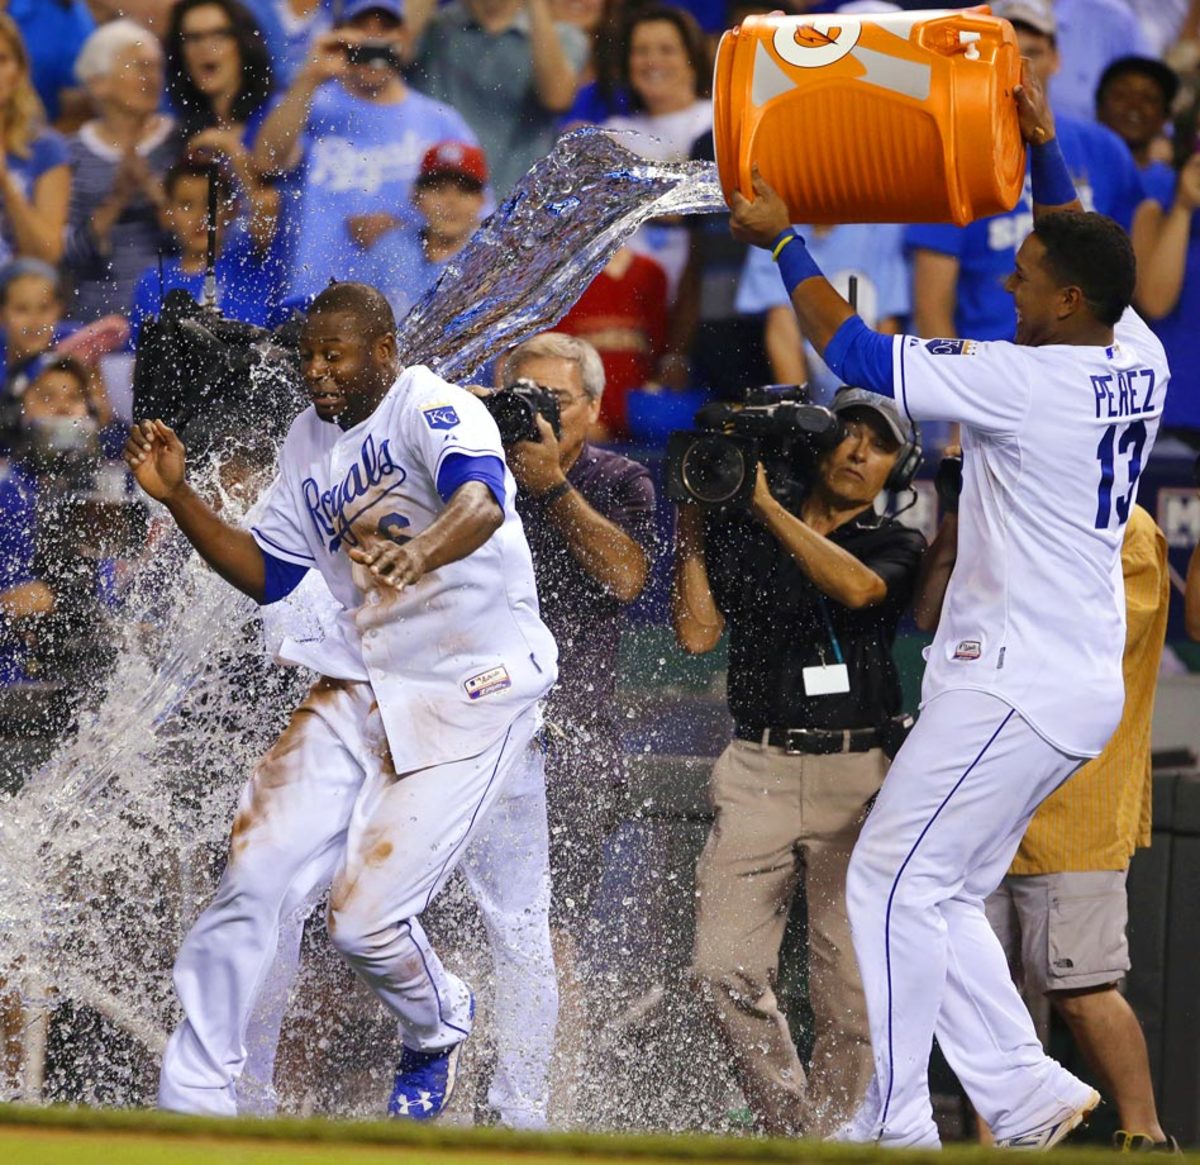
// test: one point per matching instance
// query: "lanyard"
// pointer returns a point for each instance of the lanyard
(837, 649)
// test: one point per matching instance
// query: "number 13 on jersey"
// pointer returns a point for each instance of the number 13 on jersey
(1122, 443)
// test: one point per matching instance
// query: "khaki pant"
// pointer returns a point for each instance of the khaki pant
(780, 818)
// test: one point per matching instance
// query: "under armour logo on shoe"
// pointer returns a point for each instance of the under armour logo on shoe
(405, 1105)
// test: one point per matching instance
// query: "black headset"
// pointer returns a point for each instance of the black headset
(907, 463)
(908, 460)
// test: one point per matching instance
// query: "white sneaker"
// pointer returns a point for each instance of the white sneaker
(1048, 1135)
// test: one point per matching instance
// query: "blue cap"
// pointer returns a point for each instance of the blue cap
(353, 9)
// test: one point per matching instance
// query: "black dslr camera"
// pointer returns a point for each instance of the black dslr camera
(515, 410)
(715, 464)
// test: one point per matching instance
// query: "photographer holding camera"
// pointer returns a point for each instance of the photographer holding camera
(811, 591)
(589, 518)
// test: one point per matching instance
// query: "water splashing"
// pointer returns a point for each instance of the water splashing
(110, 850)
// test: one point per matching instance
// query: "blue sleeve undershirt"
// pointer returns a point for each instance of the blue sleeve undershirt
(459, 468)
(862, 357)
(283, 577)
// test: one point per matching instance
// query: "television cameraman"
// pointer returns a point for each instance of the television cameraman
(811, 591)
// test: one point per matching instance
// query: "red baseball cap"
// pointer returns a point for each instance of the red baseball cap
(457, 159)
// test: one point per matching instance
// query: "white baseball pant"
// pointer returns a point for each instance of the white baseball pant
(326, 803)
(507, 867)
(949, 818)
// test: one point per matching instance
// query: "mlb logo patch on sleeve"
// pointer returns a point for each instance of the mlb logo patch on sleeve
(440, 416)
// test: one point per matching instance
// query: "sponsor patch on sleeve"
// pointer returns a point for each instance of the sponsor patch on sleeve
(440, 416)
(968, 649)
(495, 679)
(951, 347)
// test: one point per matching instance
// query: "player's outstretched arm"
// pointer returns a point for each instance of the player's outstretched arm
(157, 459)
(470, 518)
(766, 223)
(1052, 186)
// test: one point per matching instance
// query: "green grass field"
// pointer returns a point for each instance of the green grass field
(58, 1136)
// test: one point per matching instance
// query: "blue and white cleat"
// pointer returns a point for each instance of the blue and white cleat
(1048, 1135)
(425, 1081)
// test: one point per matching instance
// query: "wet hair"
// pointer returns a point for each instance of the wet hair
(560, 346)
(23, 114)
(695, 46)
(1092, 252)
(368, 305)
(190, 166)
(23, 269)
(258, 79)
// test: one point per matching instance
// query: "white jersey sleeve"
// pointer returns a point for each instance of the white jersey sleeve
(444, 420)
(276, 525)
(986, 385)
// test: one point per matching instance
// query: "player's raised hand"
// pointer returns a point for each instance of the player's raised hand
(156, 457)
(1033, 109)
(758, 222)
(394, 565)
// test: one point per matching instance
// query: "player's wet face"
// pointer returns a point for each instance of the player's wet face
(346, 372)
(1036, 295)
(856, 469)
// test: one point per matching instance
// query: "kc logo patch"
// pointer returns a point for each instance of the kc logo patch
(440, 416)
(968, 649)
(951, 347)
(486, 682)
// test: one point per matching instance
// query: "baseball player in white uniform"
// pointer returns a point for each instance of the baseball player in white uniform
(506, 866)
(1024, 676)
(393, 486)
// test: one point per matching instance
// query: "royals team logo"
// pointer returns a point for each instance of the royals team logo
(816, 43)
(951, 347)
(440, 416)
(334, 510)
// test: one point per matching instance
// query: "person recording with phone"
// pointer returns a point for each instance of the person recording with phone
(355, 134)
(810, 582)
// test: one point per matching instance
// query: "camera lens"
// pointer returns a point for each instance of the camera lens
(713, 470)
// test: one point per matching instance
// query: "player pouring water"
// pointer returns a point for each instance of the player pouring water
(1023, 681)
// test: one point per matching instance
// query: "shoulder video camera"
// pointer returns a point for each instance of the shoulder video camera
(195, 367)
(515, 410)
(715, 465)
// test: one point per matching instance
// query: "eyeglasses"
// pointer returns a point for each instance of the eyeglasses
(218, 34)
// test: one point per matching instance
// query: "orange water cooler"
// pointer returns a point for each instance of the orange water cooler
(904, 117)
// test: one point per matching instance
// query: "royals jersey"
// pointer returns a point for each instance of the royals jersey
(454, 657)
(1054, 439)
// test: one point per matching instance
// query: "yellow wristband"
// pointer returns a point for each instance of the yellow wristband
(782, 243)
